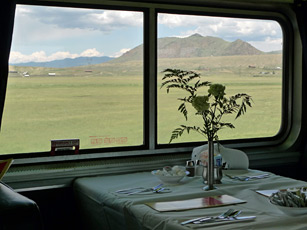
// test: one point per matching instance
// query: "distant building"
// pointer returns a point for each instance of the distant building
(25, 74)
(51, 74)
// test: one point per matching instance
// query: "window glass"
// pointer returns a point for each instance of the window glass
(74, 73)
(243, 54)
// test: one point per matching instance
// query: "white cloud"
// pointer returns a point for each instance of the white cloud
(91, 53)
(227, 28)
(121, 52)
(23, 10)
(175, 20)
(41, 56)
(89, 19)
(28, 30)
(268, 45)
(109, 20)
(52, 29)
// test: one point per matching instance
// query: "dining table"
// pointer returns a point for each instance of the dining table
(102, 205)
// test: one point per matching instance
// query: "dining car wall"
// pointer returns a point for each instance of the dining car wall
(47, 178)
(302, 18)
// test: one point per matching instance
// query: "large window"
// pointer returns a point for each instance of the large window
(74, 73)
(243, 54)
(95, 75)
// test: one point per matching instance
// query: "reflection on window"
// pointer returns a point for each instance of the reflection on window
(74, 73)
(243, 54)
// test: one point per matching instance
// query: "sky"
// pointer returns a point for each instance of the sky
(54, 33)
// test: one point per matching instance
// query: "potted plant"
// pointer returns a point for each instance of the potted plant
(211, 108)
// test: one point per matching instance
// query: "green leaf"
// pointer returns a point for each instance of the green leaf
(229, 125)
(182, 108)
(170, 81)
(212, 118)
(204, 83)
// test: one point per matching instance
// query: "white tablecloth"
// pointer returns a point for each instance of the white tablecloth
(102, 208)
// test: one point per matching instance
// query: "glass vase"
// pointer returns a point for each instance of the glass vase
(210, 167)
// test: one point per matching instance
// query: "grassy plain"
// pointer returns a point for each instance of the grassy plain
(257, 75)
(103, 104)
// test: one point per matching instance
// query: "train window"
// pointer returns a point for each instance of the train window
(95, 74)
(74, 74)
(243, 54)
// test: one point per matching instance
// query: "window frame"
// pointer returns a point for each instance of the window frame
(145, 79)
(150, 147)
(286, 116)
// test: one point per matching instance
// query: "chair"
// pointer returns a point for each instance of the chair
(234, 158)
(17, 211)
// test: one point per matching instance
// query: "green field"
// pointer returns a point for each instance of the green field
(263, 83)
(103, 104)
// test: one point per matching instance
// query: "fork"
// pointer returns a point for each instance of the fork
(234, 214)
(127, 190)
(222, 216)
(131, 191)
(246, 178)
(201, 218)
(254, 177)
(231, 213)
(153, 189)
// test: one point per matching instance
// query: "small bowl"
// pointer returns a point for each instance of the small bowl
(291, 211)
(169, 179)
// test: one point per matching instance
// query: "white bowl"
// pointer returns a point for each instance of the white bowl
(291, 211)
(169, 179)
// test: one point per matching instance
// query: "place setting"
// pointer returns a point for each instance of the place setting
(227, 217)
(245, 175)
(248, 178)
(142, 190)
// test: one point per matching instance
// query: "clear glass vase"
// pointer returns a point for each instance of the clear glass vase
(210, 167)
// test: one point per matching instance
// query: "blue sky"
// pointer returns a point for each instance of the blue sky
(53, 33)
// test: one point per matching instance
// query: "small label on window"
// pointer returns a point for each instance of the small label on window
(64, 145)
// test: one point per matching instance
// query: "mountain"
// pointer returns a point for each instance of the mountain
(68, 62)
(275, 52)
(195, 45)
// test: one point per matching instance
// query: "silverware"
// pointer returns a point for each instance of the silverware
(229, 211)
(127, 189)
(235, 213)
(154, 189)
(235, 219)
(131, 191)
(246, 178)
(191, 220)
(229, 220)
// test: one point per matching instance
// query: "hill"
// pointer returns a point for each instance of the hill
(68, 62)
(193, 46)
(238, 65)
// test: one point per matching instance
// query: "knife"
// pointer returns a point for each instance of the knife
(210, 220)
(228, 220)
(192, 220)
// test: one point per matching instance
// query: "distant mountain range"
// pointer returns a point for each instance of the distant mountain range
(67, 62)
(195, 45)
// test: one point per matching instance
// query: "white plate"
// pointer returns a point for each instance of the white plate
(169, 179)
